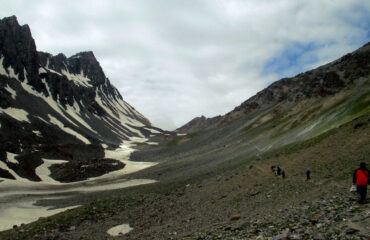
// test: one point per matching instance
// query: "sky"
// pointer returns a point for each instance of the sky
(174, 60)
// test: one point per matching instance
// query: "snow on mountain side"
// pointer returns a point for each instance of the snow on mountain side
(48, 102)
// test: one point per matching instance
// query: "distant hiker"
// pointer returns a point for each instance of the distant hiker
(361, 179)
(283, 174)
(278, 170)
(308, 174)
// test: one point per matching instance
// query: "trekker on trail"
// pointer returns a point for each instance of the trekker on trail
(278, 170)
(308, 174)
(283, 173)
(361, 180)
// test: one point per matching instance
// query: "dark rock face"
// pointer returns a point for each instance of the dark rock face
(80, 170)
(318, 83)
(18, 49)
(56, 107)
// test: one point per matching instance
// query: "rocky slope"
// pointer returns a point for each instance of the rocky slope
(49, 102)
(318, 84)
(243, 201)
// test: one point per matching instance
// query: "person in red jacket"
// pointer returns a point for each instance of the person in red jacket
(361, 180)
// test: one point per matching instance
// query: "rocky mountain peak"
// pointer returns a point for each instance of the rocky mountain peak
(17, 48)
(86, 62)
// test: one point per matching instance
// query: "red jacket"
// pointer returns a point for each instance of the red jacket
(360, 177)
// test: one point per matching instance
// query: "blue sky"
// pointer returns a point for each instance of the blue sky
(176, 60)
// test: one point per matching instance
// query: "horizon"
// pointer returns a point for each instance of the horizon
(201, 64)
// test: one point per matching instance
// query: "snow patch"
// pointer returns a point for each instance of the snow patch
(11, 157)
(79, 79)
(2, 69)
(10, 70)
(49, 100)
(16, 113)
(68, 130)
(12, 74)
(153, 130)
(119, 114)
(19, 179)
(51, 70)
(42, 70)
(38, 133)
(11, 91)
(43, 171)
(119, 230)
(72, 111)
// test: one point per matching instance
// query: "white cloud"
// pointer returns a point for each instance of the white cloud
(175, 60)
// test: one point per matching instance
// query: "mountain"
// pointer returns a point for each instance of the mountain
(290, 110)
(58, 108)
(288, 94)
(215, 182)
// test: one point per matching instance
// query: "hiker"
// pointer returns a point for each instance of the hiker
(361, 180)
(308, 174)
(283, 173)
(278, 170)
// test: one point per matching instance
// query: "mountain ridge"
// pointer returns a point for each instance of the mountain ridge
(51, 100)
(319, 82)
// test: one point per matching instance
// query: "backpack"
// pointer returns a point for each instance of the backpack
(362, 177)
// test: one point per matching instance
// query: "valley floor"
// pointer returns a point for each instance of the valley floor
(247, 202)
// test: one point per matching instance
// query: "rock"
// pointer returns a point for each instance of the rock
(351, 231)
(72, 228)
(228, 228)
(282, 236)
(357, 218)
(295, 237)
(260, 237)
(318, 236)
(234, 218)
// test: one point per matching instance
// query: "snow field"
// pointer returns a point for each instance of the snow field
(24, 212)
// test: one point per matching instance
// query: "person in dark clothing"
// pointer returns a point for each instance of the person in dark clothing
(283, 174)
(361, 180)
(278, 170)
(308, 174)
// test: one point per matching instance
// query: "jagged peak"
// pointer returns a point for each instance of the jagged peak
(88, 54)
(11, 20)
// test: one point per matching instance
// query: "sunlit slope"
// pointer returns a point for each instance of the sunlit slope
(288, 111)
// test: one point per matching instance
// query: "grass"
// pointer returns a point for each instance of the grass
(179, 140)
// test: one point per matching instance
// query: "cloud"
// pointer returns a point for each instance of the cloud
(175, 60)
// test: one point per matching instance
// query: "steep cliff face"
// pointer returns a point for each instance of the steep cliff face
(48, 101)
(345, 73)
